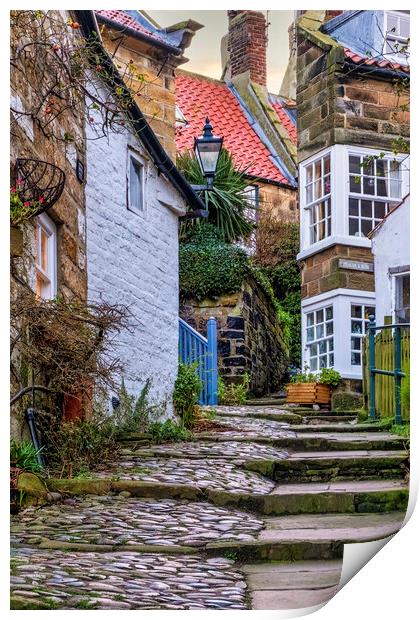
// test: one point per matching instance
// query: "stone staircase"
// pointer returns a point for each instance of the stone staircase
(251, 516)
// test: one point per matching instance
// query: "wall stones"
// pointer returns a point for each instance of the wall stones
(250, 339)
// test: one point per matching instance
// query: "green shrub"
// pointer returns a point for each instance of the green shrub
(169, 431)
(346, 401)
(133, 414)
(24, 456)
(210, 267)
(403, 430)
(330, 377)
(186, 392)
(227, 203)
(233, 394)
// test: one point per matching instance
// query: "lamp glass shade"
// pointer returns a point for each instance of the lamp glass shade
(207, 152)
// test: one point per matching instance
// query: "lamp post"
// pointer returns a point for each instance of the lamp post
(207, 151)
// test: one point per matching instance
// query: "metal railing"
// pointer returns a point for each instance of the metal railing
(397, 372)
(196, 349)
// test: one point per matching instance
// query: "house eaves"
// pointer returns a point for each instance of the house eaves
(142, 129)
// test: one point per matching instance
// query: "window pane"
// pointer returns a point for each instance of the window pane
(369, 310)
(379, 210)
(354, 164)
(309, 194)
(318, 189)
(381, 167)
(366, 208)
(310, 319)
(309, 174)
(366, 227)
(310, 334)
(319, 316)
(313, 350)
(355, 359)
(404, 27)
(318, 169)
(356, 311)
(381, 187)
(368, 185)
(43, 249)
(353, 226)
(353, 206)
(135, 184)
(355, 185)
(327, 167)
(319, 331)
(329, 328)
(323, 361)
(331, 356)
(329, 313)
(313, 363)
(368, 169)
(323, 346)
(392, 24)
(327, 184)
(331, 344)
(356, 327)
(356, 343)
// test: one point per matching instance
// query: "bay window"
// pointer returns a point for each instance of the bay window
(318, 197)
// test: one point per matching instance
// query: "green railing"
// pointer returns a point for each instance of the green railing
(388, 348)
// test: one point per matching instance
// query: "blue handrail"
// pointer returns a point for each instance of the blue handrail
(196, 349)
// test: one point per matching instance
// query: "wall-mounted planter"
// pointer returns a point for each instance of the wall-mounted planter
(16, 241)
(308, 393)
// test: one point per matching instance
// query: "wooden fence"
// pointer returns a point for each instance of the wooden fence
(384, 385)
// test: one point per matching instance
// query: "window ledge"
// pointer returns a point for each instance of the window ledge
(358, 242)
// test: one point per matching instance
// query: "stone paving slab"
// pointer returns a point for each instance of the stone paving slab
(362, 486)
(107, 520)
(292, 585)
(247, 425)
(332, 527)
(124, 580)
(206, 473)
(355, 454)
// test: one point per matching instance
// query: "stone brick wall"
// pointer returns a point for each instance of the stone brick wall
(156, 94)
(247, 45)
(250, 338)
(281, 202)
(27, 141)
(321, 272)
(133, 260)
(339, 106)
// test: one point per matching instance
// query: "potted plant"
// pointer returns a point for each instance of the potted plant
(309, 388)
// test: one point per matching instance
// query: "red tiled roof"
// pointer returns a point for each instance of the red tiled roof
(286, 121)
(123, 19)
(384, 64)
(198, 97)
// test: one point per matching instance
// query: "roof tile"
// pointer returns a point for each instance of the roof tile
(384, 63)
(198, 97)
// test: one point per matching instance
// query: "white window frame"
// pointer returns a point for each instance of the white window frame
(341, 299)
(131, 154)
(394, 292)
(363, 320)
(317, 340)
(50, 275)
(313, 205)
(394, 37)
(340, 186)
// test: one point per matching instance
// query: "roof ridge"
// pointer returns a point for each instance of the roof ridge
(200, 76)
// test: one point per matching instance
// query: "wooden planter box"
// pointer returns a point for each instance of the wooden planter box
(308, 393)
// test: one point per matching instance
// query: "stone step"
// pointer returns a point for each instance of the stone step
(296, 585)
(332, 418)
(329, 466)
(341, 427)
(262, 402)
(347, 528)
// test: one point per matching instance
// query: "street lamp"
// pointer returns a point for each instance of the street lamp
(207, 150)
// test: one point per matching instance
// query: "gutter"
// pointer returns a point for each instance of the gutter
(143, 130)
(138, 34)
(373, 70)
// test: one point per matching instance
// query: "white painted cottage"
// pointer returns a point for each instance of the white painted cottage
(134, 198)
(391, 252)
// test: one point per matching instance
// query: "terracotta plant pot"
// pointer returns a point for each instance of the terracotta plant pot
(308, 393)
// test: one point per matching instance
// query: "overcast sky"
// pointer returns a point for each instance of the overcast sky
(204, 52)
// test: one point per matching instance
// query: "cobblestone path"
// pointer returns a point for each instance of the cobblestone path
(210, 523)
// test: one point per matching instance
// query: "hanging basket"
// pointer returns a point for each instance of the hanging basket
(38, 185)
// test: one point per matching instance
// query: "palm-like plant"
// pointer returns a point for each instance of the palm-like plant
(226, 203)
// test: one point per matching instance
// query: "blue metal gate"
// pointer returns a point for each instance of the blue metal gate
(195, 348)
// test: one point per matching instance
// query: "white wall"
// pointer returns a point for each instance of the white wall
(133, 260)
(391, 248)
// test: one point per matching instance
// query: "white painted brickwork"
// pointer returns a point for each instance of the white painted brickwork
(133, 259)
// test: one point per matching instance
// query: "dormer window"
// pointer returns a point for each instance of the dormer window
(397, 34)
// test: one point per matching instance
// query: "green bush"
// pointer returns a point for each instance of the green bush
(169, 431)
(330, 377)
(233, 394)
(346, 401)
(24, 456)
(210, 267)
(405, 393)
(133, 414)
(186, 392)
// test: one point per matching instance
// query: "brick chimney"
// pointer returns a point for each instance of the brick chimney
(247, 45)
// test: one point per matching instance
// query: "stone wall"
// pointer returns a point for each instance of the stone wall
(338, 106)
(322, 271)
(250, 338)
(281, 202)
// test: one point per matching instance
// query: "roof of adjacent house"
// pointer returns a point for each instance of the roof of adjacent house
(244, 136)
(136, 23)
(381, 62)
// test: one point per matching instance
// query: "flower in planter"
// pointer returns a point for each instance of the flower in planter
(22, 210)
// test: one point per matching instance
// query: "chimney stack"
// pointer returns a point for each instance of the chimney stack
(247, 45)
